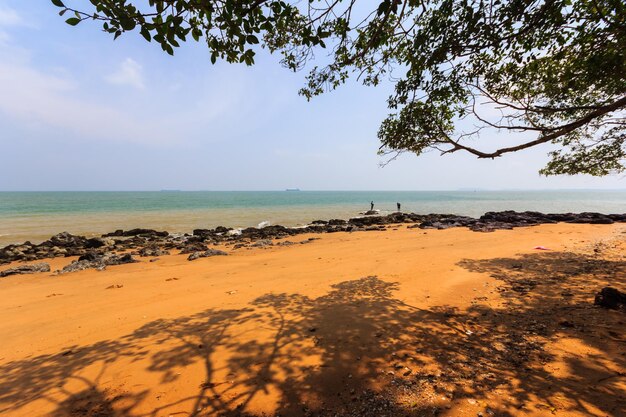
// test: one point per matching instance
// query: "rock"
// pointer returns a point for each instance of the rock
(206, 254)
(147, 232)
(148, 242)
(26, 269)
(98, 242)
(91, 257)
(117, 233)
(126, 258)
(96, 261)
(153, 251)
(610, 298)
(194, 247)
(66, 239)
(75, 266)
(263, 243)
(222, 229)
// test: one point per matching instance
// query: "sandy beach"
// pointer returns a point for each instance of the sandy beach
(382, 323)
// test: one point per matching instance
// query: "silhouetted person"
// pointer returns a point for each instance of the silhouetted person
(398, 204)
(372, 205)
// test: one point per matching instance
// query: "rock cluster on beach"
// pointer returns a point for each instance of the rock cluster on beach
(26, 269)
(99, 252)
(99, 261)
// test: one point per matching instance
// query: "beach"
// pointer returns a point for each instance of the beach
(394, 321)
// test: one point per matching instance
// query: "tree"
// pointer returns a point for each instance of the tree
(549, 71)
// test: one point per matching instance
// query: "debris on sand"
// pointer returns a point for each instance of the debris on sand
(611, 298)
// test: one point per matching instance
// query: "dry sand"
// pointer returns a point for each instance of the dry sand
(400, 322)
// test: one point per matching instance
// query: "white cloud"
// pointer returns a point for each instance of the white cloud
(9, 17)
(129, 73)
(45, 101)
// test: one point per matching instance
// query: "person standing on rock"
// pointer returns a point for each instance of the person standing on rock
(398, 205)
(372, 205)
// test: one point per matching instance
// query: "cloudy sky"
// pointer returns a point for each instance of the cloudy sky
(81, 112)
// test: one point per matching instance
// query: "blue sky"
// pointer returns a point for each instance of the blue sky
(81, 112)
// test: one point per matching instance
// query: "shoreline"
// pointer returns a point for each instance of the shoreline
(400, 321)
(144, 242)
(38, 216)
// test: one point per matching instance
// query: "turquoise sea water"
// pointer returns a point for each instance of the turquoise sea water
(37, 215)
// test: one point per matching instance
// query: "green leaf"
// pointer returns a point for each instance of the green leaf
(146, 34)
(383, 7)
(58, 3)
(73, 21)
(127, 24)
(195, 34)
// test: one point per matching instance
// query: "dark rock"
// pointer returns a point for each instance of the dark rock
(26, 269)
(201, 232)
(222, 229)
(97, 261)
(117, 233)
(263, 243)
(153, 251)
(206, 254)
(611, 298)
(98, 242)
(148, 242)
(367, 221)
(91, 257)
(194, 247)
(66, 240)
(146, 232)
(76, 266)
(617, 217)
(126, 258)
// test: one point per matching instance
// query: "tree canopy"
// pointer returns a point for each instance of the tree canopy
(536, 71)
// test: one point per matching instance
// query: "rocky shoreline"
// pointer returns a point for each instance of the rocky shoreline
(99, 252)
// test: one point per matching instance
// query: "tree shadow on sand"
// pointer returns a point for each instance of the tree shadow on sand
(359, 350)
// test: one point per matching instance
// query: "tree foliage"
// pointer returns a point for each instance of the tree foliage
(539, 71)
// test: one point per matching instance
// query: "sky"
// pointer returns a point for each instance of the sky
(79, 111)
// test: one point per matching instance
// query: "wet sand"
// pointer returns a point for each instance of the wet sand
(400, 322)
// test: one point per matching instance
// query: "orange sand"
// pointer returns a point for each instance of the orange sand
(427, 318)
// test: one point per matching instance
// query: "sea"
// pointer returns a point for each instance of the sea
(35, 216)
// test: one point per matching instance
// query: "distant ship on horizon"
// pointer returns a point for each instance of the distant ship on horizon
(292, 189)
